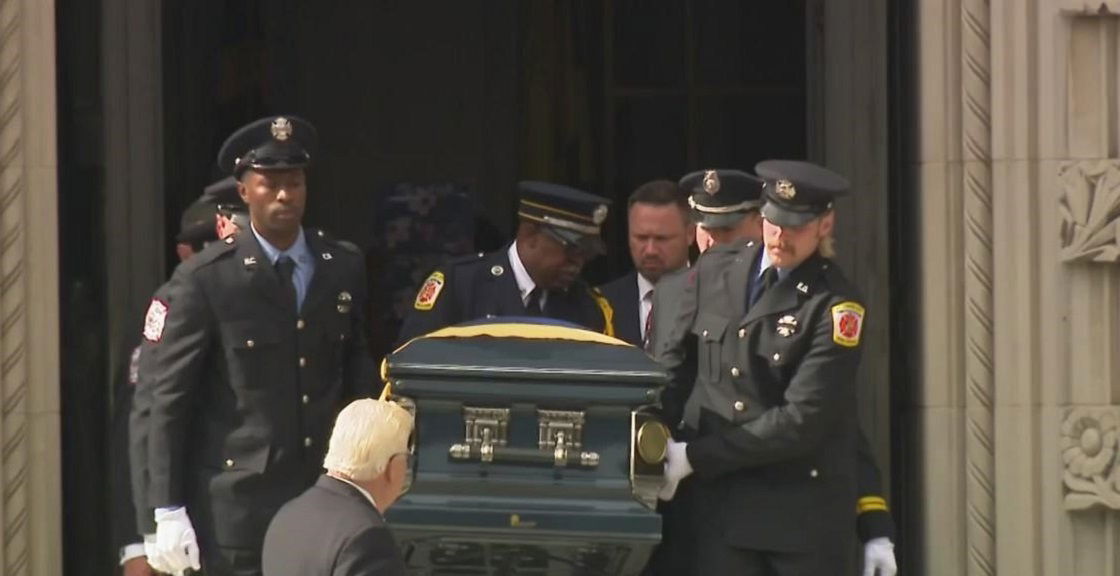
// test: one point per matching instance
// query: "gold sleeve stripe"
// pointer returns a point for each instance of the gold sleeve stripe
(871, 504)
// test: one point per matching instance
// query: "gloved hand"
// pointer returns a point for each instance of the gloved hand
(176, 544)
(878, 558)
(677, 468)
(150, 552)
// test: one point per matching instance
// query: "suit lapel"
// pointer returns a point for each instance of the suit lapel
(737, 279)
(262, 276)
(326, 272)
(787, 293)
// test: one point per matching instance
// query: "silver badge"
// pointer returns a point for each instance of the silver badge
(786, 189)
(249, 261)
(787, 325)
(497, 270)
(327, 256)
(711, 182)
(600, 214)
(344, 300)
(281, 129)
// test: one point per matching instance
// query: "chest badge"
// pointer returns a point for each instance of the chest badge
(787, 326)
(344, 300)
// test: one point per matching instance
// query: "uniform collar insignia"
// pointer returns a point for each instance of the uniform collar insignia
(249, 261)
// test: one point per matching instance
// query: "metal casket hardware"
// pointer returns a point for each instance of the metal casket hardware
(559, 443)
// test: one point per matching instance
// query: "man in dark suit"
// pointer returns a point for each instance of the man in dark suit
(660, 232)
(537, 275)
(774, 435)
(257, 346)
(337, 527)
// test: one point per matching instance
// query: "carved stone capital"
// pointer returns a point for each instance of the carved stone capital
(1090, 207)
(1091, 476)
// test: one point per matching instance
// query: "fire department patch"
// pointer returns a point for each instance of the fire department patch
(429, 292)
(154, 320)
(847, 323)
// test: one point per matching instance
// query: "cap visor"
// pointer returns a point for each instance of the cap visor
(592, 245)
(785, 217)
(727, 220)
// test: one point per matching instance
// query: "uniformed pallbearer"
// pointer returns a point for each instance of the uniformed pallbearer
(259, 345)
(538, 274)
(774, 410)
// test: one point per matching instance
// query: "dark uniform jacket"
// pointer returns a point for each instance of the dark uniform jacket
(483, 285)
(777, 445)
(622, 293)
(129, 524)
(332, 529)
(244, 388)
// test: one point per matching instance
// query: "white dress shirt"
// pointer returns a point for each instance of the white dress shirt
(524, 282)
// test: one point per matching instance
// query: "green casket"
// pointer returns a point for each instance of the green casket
(535, 452)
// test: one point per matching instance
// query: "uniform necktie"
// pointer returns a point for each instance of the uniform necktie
(763, 283)
(533, 305)
(285, 268)
(647, 334)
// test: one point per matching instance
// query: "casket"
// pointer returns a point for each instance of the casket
(536, 450)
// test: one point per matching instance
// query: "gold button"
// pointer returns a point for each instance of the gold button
(307, 441)
(300, 324)
(250, 343)
(704, 333)
(306, 399)
(777, 356)
(302, 361)
(229, 463)
(742, 332)
(813, 473)
(735, 371)
(740, 405)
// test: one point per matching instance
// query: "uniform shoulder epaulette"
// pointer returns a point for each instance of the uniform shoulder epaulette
(344, 244)
(212, 252)
(465, 259)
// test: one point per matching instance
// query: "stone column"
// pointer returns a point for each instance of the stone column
(30, 515)
(1019, 172)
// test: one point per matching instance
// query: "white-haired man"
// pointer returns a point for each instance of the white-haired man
(336, 527)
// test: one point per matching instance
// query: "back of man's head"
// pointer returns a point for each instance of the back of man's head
(366, 435)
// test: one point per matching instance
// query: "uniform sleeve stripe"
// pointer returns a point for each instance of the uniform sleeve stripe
(871, 504)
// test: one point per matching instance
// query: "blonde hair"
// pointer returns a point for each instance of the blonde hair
(366, 435)
(827, 247)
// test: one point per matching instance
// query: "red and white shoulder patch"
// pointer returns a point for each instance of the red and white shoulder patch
(155, 320)
(429, 292)
(847, 324)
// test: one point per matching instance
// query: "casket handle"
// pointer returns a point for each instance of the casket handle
(561, 457)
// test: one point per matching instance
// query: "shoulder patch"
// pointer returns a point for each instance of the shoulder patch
(429, 292)
(847, 323)
(154, 320)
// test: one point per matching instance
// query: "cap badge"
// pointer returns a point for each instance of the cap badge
(281, 129)
(787, 325)
(786, 190)
(497, 270)
(599, 215)
(711, 182)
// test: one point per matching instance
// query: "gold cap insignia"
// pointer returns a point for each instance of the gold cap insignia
(785, 190)
(281, 129)
(599, 215)
(711, 182)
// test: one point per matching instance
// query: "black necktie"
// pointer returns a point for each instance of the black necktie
(763, 283)
(533, 306)
(286, 268)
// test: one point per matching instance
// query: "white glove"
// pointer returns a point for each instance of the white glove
(677, 468)
(878, 558)
(151, 552)
(176, 547)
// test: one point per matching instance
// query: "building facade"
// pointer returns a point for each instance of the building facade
(982, 138)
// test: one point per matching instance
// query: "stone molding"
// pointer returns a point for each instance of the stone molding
(1090, 475)
(13, 297)
(1089, 8)
(1089, 204)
